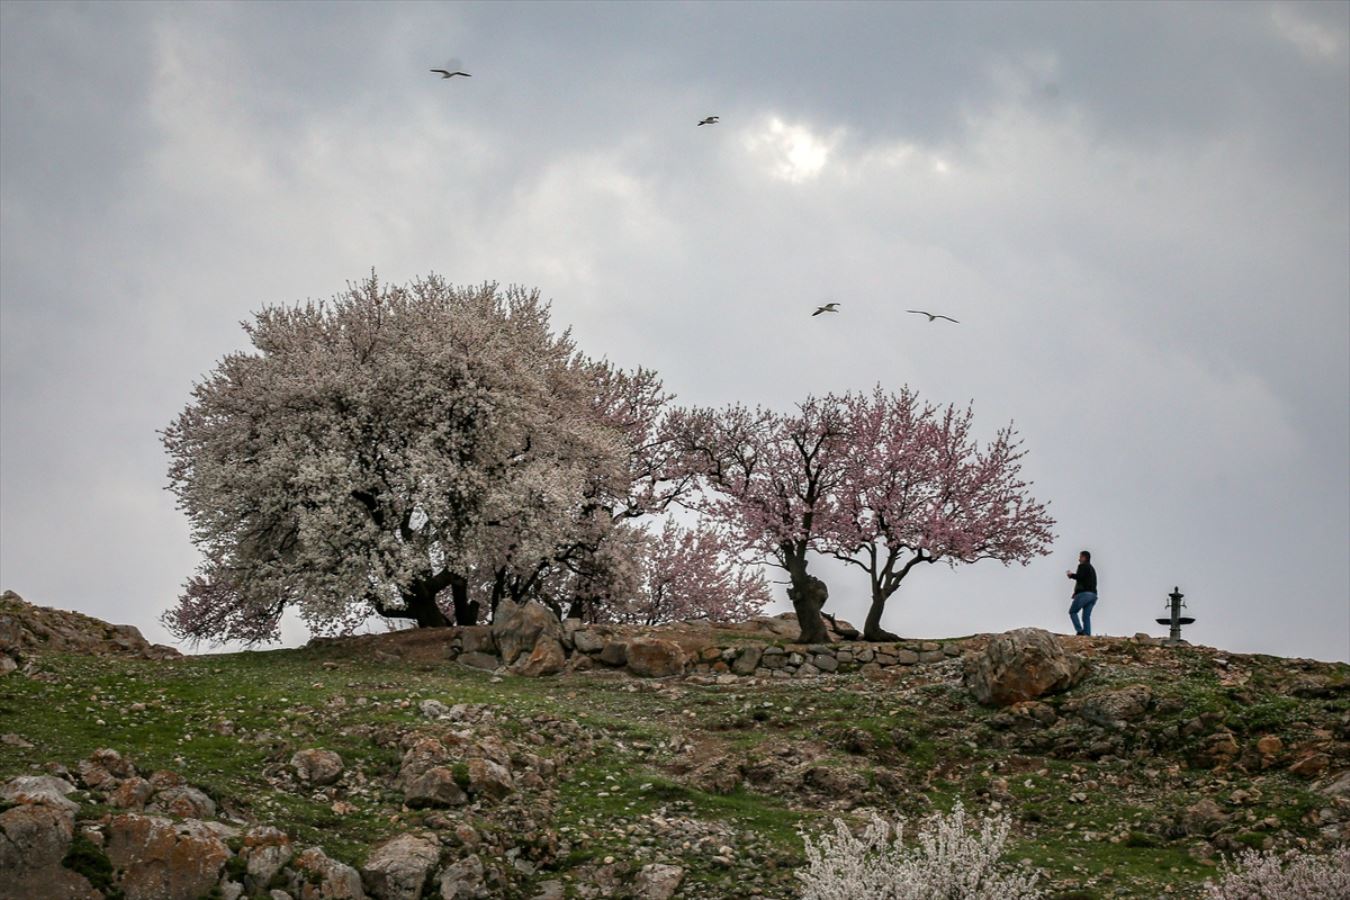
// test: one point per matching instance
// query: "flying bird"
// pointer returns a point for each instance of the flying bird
(446, 73)
(710, 120)
(932, 316)
(828, 307)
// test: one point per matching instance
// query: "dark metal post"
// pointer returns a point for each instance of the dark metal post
(1176, 619)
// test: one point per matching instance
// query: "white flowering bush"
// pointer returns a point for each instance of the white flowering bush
(1293, 876)
(948, 863)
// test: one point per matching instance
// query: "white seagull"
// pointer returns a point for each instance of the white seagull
(828, 307)
(932, 316)
(710, 120)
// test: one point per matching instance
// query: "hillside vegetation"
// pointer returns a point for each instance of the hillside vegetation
(1135, 783)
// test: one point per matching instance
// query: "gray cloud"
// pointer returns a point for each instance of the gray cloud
(1139, 213)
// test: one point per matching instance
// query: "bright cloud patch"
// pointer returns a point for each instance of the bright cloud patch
(791, 152)
(1313, 40)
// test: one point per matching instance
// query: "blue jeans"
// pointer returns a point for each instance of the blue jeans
(1083, 603)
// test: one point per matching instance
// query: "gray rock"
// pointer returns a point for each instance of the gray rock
(1113, 709)
(656, 881)
(614, 654)
(747, 661)
(318, 767)
(588, 641)
(1022, 664)
(182, 801)
(464, 880)
(265, 852)
(436, 786)
(490, 779)
(43, 790)
(654, 657)
(825, 662)
(327, 879)
(476, 660)
(34, 839)
(163, 859)
(516, 628)
(547, 658)
(432, 709)
(477, 639)
(398, 868)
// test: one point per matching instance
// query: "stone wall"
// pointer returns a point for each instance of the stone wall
(702, 652)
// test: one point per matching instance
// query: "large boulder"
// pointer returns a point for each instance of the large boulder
(517, 627)
(464, 880)
(44, 790)
(164, 860)
(547, 658)
(322, 878)
(34, 838)
(265, 852)
(1020, 665)
(654, 657)
(398, 868)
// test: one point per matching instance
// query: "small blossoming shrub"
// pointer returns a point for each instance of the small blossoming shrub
(947, 864)
(1294, 876)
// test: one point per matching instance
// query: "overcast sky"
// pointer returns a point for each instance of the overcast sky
(1139, 213)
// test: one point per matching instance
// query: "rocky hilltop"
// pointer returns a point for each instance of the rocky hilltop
(28, 632)
(644, 762)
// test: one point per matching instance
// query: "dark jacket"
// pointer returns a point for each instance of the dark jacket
(1085, 579)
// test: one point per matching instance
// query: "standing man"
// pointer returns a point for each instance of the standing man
(1084, 593)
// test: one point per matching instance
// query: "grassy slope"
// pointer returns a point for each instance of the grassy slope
(930, 747)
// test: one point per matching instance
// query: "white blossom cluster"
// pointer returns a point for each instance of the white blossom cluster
(394, 446)
(1293, 876)
(948, 863)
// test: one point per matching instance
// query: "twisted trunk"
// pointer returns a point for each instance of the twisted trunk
(808, 595)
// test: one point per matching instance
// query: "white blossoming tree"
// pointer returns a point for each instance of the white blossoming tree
(397, 445)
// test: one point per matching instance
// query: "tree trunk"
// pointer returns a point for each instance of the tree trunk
(808, 595)
(422, 607)
(466, 611)
(872, 630)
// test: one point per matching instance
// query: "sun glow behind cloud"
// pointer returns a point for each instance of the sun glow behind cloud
(791, 152)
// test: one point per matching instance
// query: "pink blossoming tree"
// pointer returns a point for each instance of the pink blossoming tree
(917, 488)
(688, 573)
(773, 479)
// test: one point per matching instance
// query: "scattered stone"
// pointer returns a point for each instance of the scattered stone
(132, 793)
(397, 869)
(432, 709)
(464, 880)
(327, 879)
(1310, 765)
(657, 881)
(318, 767)
(436, 786)
(182, 801)
(489, 779)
